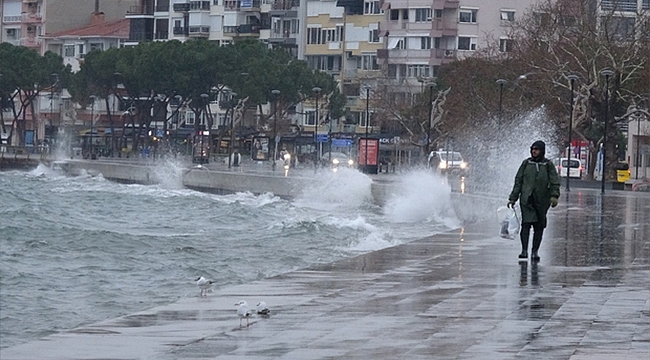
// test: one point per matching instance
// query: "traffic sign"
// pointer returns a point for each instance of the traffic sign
(322, 138)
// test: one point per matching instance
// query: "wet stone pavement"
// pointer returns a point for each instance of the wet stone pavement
(457, 295)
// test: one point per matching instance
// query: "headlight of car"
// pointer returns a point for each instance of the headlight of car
(335, 161)
(350, 162)
(463, 165)
(443, 165)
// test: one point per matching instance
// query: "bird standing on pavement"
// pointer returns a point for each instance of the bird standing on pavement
(204, 285)
(243, 312)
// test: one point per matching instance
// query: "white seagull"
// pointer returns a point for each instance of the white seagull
(243, 312)
(204, 285)
(262, 309)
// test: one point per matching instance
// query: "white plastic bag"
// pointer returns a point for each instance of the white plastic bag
(508, 222)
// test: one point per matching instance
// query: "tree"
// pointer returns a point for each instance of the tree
(560, 38)
(24, 75)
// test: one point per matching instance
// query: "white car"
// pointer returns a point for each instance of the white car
(448, 162)
(575, 170)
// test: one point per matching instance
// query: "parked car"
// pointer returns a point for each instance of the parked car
(574, 168)
(448, 162)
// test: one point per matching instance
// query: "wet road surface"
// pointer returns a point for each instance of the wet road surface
(458, 295)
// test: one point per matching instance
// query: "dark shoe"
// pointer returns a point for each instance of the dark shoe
(534, 256)
(523, 255)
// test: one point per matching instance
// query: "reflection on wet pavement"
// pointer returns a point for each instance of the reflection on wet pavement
(462, 294)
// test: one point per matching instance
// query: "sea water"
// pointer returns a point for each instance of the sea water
(78, 250)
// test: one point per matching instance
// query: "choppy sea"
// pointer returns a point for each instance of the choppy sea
(78, 250)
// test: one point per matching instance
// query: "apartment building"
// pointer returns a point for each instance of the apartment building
(25, 22)
(275, 22)
(422, 35)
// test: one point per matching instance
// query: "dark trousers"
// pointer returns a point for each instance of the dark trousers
(538, 232)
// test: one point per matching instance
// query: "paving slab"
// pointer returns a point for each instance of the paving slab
(458, 295)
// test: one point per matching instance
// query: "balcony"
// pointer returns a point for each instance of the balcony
(161, 35)
(180, 30)
(12, 19)
(199, 31)
(140, 10)
(199, 5)
(31, 18)
(285, 4)
(162, 8)
(242, 30)
(30, 42)
(182, 7)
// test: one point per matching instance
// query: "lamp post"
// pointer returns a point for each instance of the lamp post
(500, 82)
(316, 91)
(92, 126)
(427, 147)
(572, 79)
(365, 165)
(206, 103)
(55, 77)
(232, 128)
(607, 73)
(276, 94)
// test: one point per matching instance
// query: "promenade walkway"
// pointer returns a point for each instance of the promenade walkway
(457, 295)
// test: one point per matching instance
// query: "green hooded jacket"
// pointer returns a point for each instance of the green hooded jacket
(535, 184)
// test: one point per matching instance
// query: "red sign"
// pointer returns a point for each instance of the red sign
(371, 146)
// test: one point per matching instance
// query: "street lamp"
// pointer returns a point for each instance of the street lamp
(206, 103)
(276, 94)
(92, 126)
(231, 95)
(55, 77)
(317, 91)
(500, 82)
(607, 73)
(573, 78)
(365, 165)
(427, 147)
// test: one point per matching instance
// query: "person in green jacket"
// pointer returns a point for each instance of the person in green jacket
(537, 187)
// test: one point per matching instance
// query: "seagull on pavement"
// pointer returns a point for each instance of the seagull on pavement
(262, 309)
(204, 285)
(243, 312)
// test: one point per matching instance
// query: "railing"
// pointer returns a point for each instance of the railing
(619, 5)
(199, 5)
(199, 30)
(180, 30)
(182, 7)
(14, 18)
(140, 10)
(161, 35)
(31, 17)
(162, 8)
(24, 152)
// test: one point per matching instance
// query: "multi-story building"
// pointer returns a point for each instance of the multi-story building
(422, 35)
(24, 22)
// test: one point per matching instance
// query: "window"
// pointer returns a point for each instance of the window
(418, 71)
(81, 51)
(422, 15)
(394, 15)
(467, 16)
(96, 46)
(68, 50)
(425, 42)
(466, 43)
(405, 14)
(189, 117)
(438, 14)
(507, 15)
(372, 7)
(313, 36)
(505, 45)
(310, 117)
(363, 121)
(369, 62)
(374, 36)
